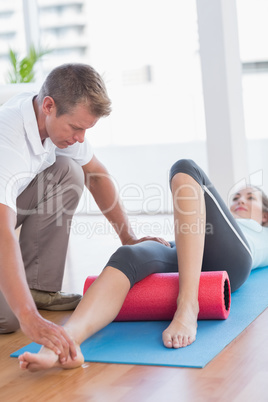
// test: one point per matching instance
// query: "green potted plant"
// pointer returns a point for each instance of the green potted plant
(21, 75)
(22, 71)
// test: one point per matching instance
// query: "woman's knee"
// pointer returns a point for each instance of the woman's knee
(126, 260)
(186, 166)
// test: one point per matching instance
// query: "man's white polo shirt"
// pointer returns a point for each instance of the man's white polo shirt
(22, 154)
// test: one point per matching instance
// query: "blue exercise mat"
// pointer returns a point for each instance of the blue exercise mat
(141, 342)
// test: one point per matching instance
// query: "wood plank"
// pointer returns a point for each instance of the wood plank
(238, 373)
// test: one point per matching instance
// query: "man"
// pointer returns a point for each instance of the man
(42, 150)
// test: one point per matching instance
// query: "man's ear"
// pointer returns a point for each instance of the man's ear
(265, 219)
(48, 105)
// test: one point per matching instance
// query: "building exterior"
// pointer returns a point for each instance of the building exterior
(60, 26)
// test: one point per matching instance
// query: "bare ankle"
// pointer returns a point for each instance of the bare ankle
(72, 336)
(188, 305)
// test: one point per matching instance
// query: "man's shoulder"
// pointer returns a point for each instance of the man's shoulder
(11, 123)
(12, 114)
(16, 100)
(15, 104)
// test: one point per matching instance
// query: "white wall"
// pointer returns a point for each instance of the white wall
(258, 162)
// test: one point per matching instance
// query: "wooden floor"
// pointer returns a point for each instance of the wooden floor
(238, 374)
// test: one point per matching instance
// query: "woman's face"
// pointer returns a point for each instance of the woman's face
(247, 204)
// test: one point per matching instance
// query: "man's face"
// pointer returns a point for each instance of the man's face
(70, 128)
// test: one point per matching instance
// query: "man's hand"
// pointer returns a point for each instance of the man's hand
(50, 335)
(132, 241)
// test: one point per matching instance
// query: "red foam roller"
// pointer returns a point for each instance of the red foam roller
(154, 298)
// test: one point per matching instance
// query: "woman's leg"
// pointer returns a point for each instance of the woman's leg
(207, 236)
(189, 213)
(99, 306)
(104, 298)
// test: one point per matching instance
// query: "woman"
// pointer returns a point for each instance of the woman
(207, 238)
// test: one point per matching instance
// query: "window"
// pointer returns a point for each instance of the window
(253, 33)
(147, 51)
(149, 55)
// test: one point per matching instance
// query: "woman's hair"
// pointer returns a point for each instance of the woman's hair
(264, 199)
(73, 84)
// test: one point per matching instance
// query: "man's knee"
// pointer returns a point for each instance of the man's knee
(9, 324)
(70, 171)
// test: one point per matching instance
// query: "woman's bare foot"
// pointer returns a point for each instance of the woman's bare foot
(46, 359)
(182, 330)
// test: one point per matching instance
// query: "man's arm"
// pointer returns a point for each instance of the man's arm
(100, 184)
(13, 285)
